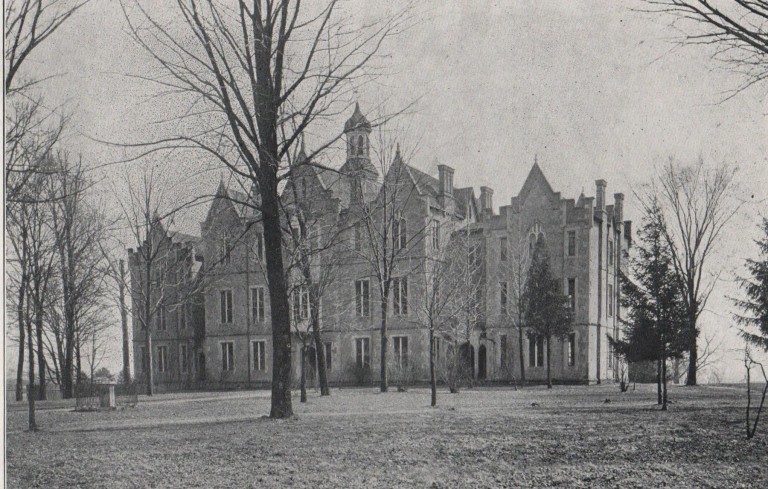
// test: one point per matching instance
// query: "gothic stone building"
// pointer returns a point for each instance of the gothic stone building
(419, 215)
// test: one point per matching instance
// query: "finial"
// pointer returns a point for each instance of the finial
(535, 158)
(397, 151)
(302, 142)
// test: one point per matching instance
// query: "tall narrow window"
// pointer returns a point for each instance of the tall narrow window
(227, 356)
(328, 356)
(259, 356)
(300, 299)
(257, 303)
(143, 356)
(400, 296)
(571, 243)
(610, 252)
(399, 232)
(504, 351)
(183, 358)
(610, 300)
(435, 235)
(503, 297)
(182, 315)
(536, 350)
(572, 349)
(161, 319)
(226, 250)
(258, 246)
(362, 298)
(360, 145)
(540, 351)
(226, 306)
(400, 345)
(162, 358)
(503, 247)
(363, 352)
(358, 236)
(572, 293)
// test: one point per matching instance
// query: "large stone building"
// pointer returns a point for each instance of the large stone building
(354, 216)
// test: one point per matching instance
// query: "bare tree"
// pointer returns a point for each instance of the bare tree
(695, 204)
(164, 273)
(514, 273)
(386, 240)
(737, 31)
(749, 363)
(255, 76)
(449, 285)
(315, 244)
(28, 23)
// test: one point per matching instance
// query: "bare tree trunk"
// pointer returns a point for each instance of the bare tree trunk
(40, 350)
(384, 385)
(303, 382)
(278, 294)
(322, 362)
(124, 324)
(664, 384)
(658, 382)
(31, 387)
(432, 378)
(78, 361)
(693, 352)
(520, 348)
(149, 370)
(549, 363)
(20, 365)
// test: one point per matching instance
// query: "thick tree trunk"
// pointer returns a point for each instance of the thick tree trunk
(278, 295)
(432, 377)
(20, 364)
(384, 385)
(322, 365)
(31, 387)
(149, 370)
(40, 350)
(664, 384)
(78, 361)
(124, 325)
(658, 382)
(520, 356)
(693, 352)
(303, 382)
(549, 363)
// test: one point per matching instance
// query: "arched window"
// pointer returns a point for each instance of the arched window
(360, 145)
(351, 141)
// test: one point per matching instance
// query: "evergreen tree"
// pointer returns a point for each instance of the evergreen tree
(755, 307)
(654, 325)
(547, 310)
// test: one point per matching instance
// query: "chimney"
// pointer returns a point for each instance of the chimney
(446, 180)
(618, 207)
(486, 200)
(600, 195)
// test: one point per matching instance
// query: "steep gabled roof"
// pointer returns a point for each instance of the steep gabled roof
(465, 199)
(535, 179)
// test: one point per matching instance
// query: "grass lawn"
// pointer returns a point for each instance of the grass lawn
(361, 438)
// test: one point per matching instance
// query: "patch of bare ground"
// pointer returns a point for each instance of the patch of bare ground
(361, 438)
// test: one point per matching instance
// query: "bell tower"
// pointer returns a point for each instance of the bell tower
(357, 128)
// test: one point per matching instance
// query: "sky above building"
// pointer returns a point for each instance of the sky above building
(589, 89)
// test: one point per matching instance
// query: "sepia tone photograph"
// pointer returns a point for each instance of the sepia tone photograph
(342, 243)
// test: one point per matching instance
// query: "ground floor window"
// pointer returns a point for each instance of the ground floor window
(400, 344)
(536, 350)
(504, 348)
(328, 356)
(227, 356)
(259, 356)
(363, 352)
(571, 349)
(162, 358)
(183, 358)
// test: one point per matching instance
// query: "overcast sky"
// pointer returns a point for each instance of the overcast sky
(591, 89)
